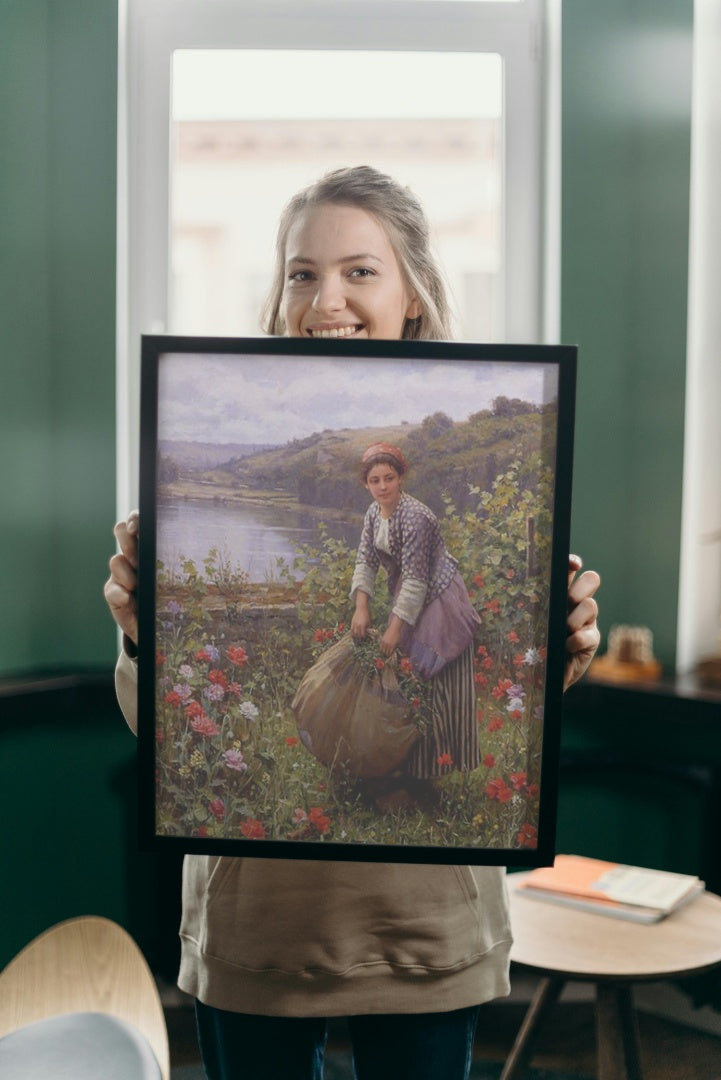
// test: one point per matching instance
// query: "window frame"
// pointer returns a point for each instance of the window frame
(525, 34)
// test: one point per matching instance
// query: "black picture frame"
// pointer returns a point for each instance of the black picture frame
(250, 505)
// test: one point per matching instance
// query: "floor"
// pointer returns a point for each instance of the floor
(669, 1050)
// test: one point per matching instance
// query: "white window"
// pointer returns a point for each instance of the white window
(227, 107)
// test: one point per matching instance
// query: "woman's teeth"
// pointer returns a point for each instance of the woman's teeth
(337, 331)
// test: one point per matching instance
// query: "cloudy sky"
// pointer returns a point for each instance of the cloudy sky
(272, 399)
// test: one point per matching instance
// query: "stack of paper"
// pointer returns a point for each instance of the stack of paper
(608, 888)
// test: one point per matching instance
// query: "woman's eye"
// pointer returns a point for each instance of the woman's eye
(362, 272)
(300, 276)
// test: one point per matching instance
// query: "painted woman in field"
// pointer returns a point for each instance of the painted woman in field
(432, 621)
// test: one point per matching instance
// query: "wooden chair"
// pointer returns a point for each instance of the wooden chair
(88, 971)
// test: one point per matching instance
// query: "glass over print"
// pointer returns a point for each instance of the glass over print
(352, 597)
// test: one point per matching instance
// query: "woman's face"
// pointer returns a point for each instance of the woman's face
(384, 484)
(342, 277)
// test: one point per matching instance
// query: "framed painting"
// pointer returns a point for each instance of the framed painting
(352, 597)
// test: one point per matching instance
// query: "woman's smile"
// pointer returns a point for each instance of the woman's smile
(342, 277)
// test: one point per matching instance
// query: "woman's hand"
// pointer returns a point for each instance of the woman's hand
(121, 587)
(583, 635)
(390, 639)
(361, 621)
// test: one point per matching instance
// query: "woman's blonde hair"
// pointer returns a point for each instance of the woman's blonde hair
(403, 217)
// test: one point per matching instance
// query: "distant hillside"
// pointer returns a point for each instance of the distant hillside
(203, 455)
(446, 458)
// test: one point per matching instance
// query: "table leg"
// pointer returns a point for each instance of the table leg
(545, 997)
(617, 1033)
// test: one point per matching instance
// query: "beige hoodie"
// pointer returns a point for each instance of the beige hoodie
(284, 937)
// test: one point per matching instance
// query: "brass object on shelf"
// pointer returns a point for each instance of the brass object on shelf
(629, 657)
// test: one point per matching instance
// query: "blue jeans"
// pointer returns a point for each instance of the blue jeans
(413, 1046)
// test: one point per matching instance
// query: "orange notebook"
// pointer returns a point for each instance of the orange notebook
(631, 892)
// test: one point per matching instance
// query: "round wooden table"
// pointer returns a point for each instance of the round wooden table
(562, 944)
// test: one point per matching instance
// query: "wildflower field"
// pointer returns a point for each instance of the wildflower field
(229, 760)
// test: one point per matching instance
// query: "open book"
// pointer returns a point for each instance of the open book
(608, 888)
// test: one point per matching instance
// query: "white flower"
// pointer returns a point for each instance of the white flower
(531, 657)
(248, 710)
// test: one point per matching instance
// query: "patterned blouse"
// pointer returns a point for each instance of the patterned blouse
(410, 547)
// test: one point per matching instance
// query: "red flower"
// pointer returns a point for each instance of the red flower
(328, 635)
(218, 677)
(236, 655)
(160, 658)
(527, 836)
(194, 708)
(340, 628)
(445, 759)
(416, 703)
(498, 789)
(380, 664)
(217, 809)
(495, 723)
(482, 650)
(518, 779)
(480, 679)
(318, 819)
(499, 690)
(510, 574)
(236, 689)
(291, 740)
(406, 666)
(489, 761)
(202, 655)
(318, 635)
(478, 580)
(518, 659)
(254, 830)
(493, 606)
(205, 726)
(201, 831)
(173, 698)
(487, 663)
(532, 790)
(513, 637)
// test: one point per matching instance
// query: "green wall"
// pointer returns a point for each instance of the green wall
(625, 200)
(58, 75)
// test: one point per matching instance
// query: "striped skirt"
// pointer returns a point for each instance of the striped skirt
(451, 743)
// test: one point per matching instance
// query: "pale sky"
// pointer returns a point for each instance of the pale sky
(272, 399)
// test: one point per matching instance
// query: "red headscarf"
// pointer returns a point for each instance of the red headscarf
(384, 448)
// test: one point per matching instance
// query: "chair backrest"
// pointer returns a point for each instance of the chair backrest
(87, 964)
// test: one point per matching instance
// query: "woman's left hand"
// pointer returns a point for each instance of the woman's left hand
(391, 637)
(583, 635)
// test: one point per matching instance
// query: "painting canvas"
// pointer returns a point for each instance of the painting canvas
(353, 573)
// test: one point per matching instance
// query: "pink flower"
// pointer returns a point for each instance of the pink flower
(234, 760)
(217, 809)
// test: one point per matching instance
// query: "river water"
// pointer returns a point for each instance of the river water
(251, 537)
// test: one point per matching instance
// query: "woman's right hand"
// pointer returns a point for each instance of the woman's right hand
(121, 587)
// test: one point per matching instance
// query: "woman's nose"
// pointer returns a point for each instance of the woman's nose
(329, 295)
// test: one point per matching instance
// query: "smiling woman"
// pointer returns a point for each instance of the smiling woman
(353, 259)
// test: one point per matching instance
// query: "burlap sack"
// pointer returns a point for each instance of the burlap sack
(352, 721)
